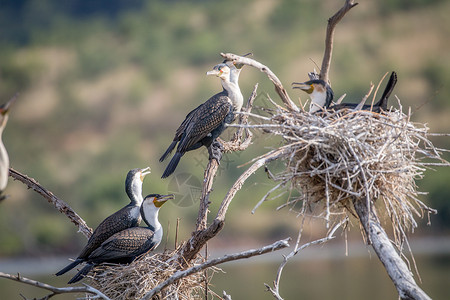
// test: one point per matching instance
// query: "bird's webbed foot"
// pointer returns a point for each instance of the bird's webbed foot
(215, 151)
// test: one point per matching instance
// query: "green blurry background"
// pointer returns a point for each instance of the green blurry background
(104, 84)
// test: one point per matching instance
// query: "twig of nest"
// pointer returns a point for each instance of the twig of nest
(334, 157)
(134, 280)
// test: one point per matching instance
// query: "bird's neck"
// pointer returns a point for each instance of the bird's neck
(318, 101)
(134, 192)
(234, 93)
(234, 76)
(150, 215)
(3, 124)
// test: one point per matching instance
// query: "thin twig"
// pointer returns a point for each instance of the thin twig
(216, 261)
(53, 289)
(275, 290)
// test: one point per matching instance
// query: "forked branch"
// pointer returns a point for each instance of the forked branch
(55, 290)
(332, 22)
(214, 262)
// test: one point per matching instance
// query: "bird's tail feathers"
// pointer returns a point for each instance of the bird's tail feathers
(168, 151)
(69, 267)
(387, 91)
(172, 165)
(82, 273)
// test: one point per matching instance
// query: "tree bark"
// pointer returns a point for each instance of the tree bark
(396, 268)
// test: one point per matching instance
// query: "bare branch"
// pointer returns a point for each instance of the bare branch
(276, 286)
(62, 206)
(332, 22)
(216, 261)
(208, 180)
(240, 181)
(396, 268)
(202, 234)
(55, 290)
(278, 86)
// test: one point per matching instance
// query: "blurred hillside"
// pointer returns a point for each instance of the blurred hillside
(104, 84)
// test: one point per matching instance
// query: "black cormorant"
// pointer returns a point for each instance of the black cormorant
(128, 216)
(322, 100)
(4, 158)
(126, 245)
(205, 123)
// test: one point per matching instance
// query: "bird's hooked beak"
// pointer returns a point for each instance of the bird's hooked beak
(4, 109)
(145, 172)
(217, 70)
(308, 88)
(161, 199)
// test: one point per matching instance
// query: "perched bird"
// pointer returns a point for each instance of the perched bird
(320, 93)
(205, 123)
(126, 245)
(322, 96)
(4, 158)
(128, 216)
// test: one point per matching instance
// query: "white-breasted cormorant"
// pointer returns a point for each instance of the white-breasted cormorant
(205, 123)
(4, 158)
(126, 245)
(128, 216)
(321, 96)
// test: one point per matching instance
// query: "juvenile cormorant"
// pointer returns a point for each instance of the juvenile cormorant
(322, 96)
(126, 245)
(205, 123)
(128, 216)
(4, 158)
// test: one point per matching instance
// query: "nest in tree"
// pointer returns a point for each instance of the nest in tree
(134, 280)
(333, 158)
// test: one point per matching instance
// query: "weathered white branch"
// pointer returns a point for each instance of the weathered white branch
(332, 22)
(216, 261)
(55, 290)
(277, 83)
(396, 268)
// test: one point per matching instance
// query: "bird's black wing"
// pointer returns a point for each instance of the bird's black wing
(128, 243)
(185, 123)
(204, 120)
(114, 223)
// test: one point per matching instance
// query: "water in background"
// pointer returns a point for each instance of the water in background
(314, 275)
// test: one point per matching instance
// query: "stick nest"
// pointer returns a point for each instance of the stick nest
(332, 158)
(134, 280)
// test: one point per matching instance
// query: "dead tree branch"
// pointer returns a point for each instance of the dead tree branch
(235, 144)
(60, 205)
(332, 22)
(203, 233)
(210, 173)
(216, 261)
(55, 290)
(396, 268)
(278, 86)
(275, 291)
